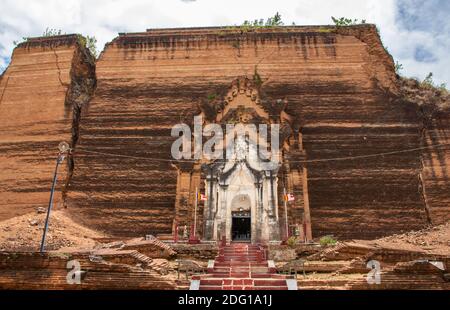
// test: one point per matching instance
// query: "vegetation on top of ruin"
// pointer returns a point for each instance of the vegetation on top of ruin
(277, 21)
(439, 90)
(87, 41)
(424, 92)
(90, 43)
(429, 97)
(344, 21)
(50, 32)
(274, 21)
(24, 39)
(398, 67)
(428, 82)
(251, 26)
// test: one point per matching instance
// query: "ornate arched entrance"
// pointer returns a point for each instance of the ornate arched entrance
(246, 175)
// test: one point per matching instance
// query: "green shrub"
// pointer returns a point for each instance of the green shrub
(292, 241)
(24, 39)
(212, 97)
(257, 78)
(50, 32)
(327, 240)
(343, 21)
(398, 67)
(428, 82)
(90, 43)
(274, 21)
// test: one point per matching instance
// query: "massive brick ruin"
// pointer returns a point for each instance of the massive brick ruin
(43, 90)
(338, 86)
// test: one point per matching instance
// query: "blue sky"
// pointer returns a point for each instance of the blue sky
(416, 33)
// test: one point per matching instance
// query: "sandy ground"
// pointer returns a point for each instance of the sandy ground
(433, 240)
(24, 233)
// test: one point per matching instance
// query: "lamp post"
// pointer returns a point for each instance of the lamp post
(64, 148)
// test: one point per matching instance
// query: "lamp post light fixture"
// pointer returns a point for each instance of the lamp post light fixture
(64, 149)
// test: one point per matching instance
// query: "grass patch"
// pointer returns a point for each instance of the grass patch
(327, 240)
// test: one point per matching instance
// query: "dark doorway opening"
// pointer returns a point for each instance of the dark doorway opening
(241, 227)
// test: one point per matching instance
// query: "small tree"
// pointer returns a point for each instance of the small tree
(50, 32)
(343, 21)
(428, 82)
(24, 39)
(274, 21)
(398, 67)
(91, 44)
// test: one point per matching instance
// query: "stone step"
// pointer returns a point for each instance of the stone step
(271, 288)
(248, 261)
(210, 282)
(243, 264)
(239, 274)
(242, 269)
(249, 248)
(271, 275)
(269, 282)
(210, 288)
(241, 287)
(239, 255)
(246, 251)
(253, 276)
(216, 275)
(246, 282)
(238, 249)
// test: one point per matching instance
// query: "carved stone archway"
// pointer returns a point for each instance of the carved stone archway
(244, 103)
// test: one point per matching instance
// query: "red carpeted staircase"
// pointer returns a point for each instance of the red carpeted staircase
(242, 266)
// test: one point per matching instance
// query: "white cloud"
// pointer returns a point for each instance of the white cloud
(105, 18)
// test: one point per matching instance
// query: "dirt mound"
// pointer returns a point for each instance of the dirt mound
(24, 233)
(432, 240)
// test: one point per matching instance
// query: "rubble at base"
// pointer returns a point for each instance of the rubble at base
(152, 264)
